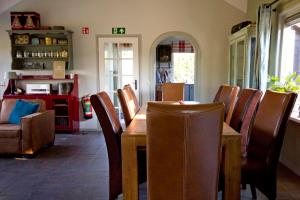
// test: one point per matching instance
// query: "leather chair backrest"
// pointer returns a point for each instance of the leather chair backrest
(269, 127)
(128, 103)
(227, 94)
(183, 150)
(7, 106)
(244, 112)
(112, 131)
(110, 124)
(172, 91)
(135, 100)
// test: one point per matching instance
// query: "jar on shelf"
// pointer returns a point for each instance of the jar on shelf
(48, 40)
(19, 54)
(64, 53)
(26, 54)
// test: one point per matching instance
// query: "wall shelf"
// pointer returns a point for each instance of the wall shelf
(28, 45)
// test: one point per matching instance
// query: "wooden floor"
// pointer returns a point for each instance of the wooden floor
(77, 168)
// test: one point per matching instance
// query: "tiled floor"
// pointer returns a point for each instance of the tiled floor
(77, 168)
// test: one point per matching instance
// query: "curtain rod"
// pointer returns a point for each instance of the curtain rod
(270, 4)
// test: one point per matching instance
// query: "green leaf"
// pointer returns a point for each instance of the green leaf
(297, 79)
(273, 79)
(290, 77)
(291, 83)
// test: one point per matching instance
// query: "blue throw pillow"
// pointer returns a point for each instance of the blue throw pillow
(21, 109)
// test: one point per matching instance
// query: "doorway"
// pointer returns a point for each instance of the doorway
(176, 56)
(118, 65)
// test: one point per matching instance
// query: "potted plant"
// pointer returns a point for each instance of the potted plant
(291, 84)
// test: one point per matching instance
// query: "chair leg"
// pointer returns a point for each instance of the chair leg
(244, 186)
(51, 144)
(25, 156)
(253, 191)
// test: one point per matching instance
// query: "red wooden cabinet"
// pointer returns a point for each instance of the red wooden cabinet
(66, 106)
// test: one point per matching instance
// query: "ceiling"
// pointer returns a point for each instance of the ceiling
(239, 4)
(7, 4)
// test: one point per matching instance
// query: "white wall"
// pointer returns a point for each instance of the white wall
(209, 22)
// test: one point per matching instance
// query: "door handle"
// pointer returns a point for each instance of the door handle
(135, 84)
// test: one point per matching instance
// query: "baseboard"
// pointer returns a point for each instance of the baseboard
(293, 167)
(90, 129)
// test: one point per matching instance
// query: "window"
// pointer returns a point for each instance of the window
(290, 53)
(184, 65)
(290, 57)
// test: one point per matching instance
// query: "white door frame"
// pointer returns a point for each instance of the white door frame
(152, 62)
(98, 36)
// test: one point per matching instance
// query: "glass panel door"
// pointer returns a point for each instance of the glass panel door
(232, 63)
(118, 65)
(240, 63)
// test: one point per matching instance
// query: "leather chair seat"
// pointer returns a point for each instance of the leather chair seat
(259, 167)
(128, 102)
(227, 94)
(183, 150)
(10, 131)
(112, 131)
(252, 166)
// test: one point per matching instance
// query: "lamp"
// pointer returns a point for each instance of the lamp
(11, 76)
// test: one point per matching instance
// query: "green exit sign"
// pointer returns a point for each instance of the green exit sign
(118, 30)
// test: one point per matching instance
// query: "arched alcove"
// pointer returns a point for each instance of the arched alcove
(153, 64)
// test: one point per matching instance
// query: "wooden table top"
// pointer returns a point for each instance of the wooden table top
(138, 126)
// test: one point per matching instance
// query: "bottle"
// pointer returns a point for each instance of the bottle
(19, 54)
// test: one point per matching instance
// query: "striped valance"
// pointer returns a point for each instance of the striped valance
(182, 47)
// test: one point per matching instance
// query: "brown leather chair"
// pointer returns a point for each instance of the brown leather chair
(227, 94)
(244, 112)
(172, 91)
(183, 150)
(112, 131)
(135, 100)
(259, 166)
(34, 132)
(129, 103)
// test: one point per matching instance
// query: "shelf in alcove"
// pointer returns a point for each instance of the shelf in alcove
(40, 58)
(39, 45)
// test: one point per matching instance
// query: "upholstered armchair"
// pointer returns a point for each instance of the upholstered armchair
(34, 131)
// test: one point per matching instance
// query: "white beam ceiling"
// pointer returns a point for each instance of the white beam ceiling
(239, 4)
(7, 4)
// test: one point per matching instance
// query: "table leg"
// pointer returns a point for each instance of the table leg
(129, 168)
(232, 168)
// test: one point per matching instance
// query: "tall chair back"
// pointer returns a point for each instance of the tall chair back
(183, 150)
(259, 168)
(112, 131)
(129, 103)
(227, 94)
(172, 91)
(244, 112)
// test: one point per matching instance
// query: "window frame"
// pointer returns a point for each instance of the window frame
(283, 16)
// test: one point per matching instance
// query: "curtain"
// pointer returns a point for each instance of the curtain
(182, 47)
(263, 36)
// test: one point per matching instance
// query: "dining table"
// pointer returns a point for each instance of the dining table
(134, 137)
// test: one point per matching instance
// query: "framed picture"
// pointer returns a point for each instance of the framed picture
(59, 69)
(21, 38)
